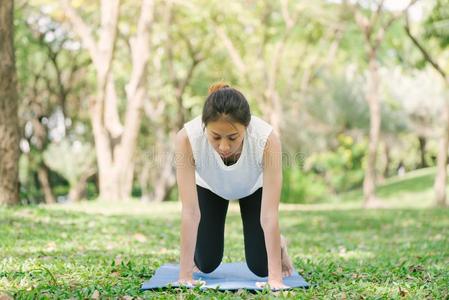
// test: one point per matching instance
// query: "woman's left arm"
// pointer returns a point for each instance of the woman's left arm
(269, 215)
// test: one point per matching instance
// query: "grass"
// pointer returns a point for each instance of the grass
(107, 251)
(414, 188)
(73, 251)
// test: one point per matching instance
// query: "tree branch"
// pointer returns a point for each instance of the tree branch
(421, 48)
(235, 55)
(81, 28)
(140, 47)
(285, 14)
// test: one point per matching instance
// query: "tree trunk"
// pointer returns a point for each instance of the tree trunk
(372, 98)
(162, 173)
(42, 174)
(440, 179)
(115, 144)
(9, 123)
(273, 113)
(386, 172)
(78, 189)
(422, 151)
(441, 176)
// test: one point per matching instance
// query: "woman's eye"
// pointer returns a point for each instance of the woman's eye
(217, 138)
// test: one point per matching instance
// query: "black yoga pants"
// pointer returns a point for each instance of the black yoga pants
(210, 237)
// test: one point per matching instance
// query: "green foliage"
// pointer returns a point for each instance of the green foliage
(342, 168)
(339, 102)
(437, 23)
(30, 190)
(302, 187)
(70, 160)
(328, 90)
(29, 187)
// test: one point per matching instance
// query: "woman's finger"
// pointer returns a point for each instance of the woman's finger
(200, 282)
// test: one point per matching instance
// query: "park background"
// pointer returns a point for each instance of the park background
(92, 94)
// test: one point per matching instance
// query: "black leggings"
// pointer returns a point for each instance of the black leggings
(210, 238)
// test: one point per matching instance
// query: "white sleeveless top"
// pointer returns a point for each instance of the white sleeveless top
(238, 180)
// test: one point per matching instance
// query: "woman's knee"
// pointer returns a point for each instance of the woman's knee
(258, 269)
(208, 266)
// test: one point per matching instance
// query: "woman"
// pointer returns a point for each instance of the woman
(227, 154)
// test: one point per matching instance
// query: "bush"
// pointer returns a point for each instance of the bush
(301, 187)
(341, 169)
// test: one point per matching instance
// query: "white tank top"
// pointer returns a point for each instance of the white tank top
(238, 180)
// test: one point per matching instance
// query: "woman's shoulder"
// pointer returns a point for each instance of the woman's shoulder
(194, 127)
(258, 127)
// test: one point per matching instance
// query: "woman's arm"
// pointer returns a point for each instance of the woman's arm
(271, 193)
(190, 217)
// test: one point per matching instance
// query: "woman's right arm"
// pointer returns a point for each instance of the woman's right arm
(190, 216)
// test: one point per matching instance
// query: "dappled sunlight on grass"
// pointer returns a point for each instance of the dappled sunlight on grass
(130, 207)
(72, 250)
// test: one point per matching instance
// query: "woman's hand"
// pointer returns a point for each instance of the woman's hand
(273, 285)
(190, 282)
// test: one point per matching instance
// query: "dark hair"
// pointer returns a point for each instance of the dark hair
(225, 101)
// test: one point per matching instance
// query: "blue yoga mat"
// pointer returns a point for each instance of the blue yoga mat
(228, 276)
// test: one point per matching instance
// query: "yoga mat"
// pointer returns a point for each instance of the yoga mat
(228, 276)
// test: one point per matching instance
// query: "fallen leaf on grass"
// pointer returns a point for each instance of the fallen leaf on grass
(416, 268)
(95, 295)
(140, 237)
(358, 276)
(51, 246)
(115, 274)
(402, 292)
(118, 260)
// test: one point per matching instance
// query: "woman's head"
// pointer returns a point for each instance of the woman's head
(226, 114)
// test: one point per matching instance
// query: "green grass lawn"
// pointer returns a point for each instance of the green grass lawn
(415, 188)
(93, 249)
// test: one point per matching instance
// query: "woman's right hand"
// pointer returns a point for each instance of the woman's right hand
(272, 284)
(190, 282)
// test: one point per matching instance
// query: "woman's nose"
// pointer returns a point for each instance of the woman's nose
(224, 147)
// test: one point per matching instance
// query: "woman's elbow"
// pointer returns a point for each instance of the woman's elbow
(269, 222)
(191, 214)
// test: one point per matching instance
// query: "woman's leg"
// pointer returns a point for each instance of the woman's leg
(255, 251)
(210, 238)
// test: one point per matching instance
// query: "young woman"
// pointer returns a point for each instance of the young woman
(228, 154)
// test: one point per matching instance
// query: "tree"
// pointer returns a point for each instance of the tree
(420, 95)
(373, 25)
(437, 32)
(184, 55)
(269, 56)
(9, 123)
(50, 75)
(115, 143)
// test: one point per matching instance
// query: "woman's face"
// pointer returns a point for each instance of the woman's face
(225, 137)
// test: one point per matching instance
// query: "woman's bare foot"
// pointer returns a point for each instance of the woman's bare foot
(287, 266)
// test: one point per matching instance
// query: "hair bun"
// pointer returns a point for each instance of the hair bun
(217, 86)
